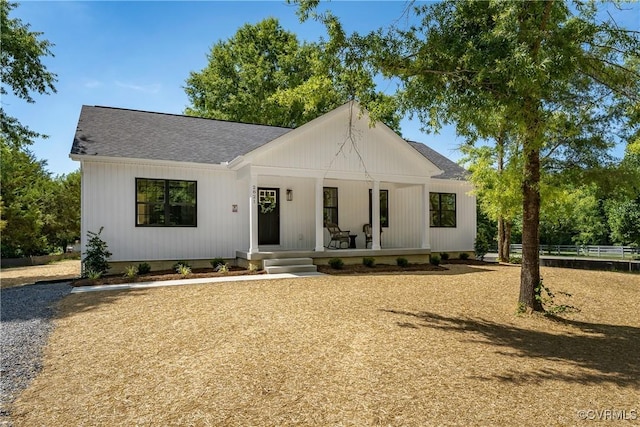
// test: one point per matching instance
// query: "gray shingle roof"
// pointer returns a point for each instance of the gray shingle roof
(451, 169)
(118, 132)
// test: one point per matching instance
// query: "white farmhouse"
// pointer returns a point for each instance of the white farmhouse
(169, 187)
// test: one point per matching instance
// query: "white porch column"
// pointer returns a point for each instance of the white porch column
(375, 216)
(425, 244)
(253, 214)
(319, 205)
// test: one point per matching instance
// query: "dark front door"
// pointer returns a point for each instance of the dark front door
(268, 216)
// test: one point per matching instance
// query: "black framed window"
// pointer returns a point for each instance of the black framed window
(165, 203)
(442, 209)
(384, 208)
(330, 205)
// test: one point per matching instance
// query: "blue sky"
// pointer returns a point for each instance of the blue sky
(137, 55)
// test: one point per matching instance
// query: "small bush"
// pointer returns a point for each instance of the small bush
(222, 268)
(253, 268)
(402, 262)
(183, 270)
(96, 255)
(464, 256)
(178, 264)
(368, 261)
(515, 259)
(336, 263)
(434, 260)
(444, 256)
(481, 246)
(92, 274)
(216, 262)
(144, 268)
(130, 271)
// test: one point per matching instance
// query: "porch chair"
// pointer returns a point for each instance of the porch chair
(338, 237)
(368, 234)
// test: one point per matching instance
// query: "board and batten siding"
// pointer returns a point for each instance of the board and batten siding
(326, 145)
(462, 237)
(109, 201)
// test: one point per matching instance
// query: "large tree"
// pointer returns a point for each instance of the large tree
(535, 64)
(22, 71)
(263, 74)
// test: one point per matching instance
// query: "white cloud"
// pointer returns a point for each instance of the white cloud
(152, 88)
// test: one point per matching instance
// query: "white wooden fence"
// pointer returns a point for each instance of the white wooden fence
(628, 252)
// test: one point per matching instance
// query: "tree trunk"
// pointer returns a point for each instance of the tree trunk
(506, 244)
(501, 239)
(530, 274)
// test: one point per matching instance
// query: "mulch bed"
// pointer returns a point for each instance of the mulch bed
(163, 275)
(378, 268)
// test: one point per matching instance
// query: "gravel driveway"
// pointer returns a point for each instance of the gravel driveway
(25, 314)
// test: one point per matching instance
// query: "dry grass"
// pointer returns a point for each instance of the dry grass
(439, 348)
(17, 276)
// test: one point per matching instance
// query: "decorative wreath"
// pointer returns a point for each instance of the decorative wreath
(267, 204)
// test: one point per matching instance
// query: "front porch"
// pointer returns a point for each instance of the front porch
(348, 256)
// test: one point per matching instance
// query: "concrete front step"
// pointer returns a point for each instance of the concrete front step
(295, 268)
(287, 261)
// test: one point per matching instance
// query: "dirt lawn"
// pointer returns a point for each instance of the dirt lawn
(439, 348)
(16, 276)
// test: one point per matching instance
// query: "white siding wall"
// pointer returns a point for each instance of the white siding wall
(326, 146)
(108, 199)
(462, 237)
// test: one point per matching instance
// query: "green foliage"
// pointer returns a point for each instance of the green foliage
(253, 268)
(464, 256)
(444, 256)
(179, 264)
(144, 268)
(216, 262)
(624, 221)
(515, 259)
(264, 75)
(548, 299)
(434, 260)
(22, 71)
(368, 261)
(222, 268)
(183, 269)
(130, 271)
(336, 263)
(481, 246)
(91, 274)
(402, 262)
(96, 255)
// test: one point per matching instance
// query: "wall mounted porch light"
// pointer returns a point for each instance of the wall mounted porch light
(289, 194)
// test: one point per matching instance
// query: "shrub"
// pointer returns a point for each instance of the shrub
(515, 259)
(336, 263)
(444, 256)
(464, 256)
(434, 260)
(179, 264)
(96, 255)
(368, 261)
(402, 262)
(216, 262)
(93, 275)
(481, 245)
(144, 268)
(253, 268)
(183, 270)
(130, 271)
(222, 268)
